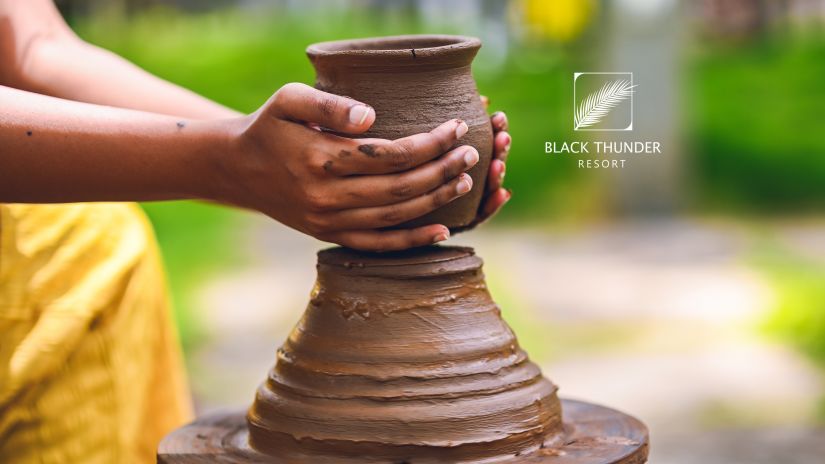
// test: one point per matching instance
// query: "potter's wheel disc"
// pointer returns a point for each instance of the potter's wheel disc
(593, 435)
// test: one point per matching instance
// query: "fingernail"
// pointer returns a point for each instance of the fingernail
(509, 194)
(509, 142)
(461, 129)
(442, 236)
(498, 118)
(358, 114)
(501, 174)
(464, 185)
(471, 157)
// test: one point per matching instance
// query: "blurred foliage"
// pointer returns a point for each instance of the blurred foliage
(799, 312)
(758, 139)
(196, 239)
(756, 125)
(754, 120)
(240, 59)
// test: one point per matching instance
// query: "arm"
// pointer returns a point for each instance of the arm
(40, 53)
(54, 150)
(43, 55)
(57, 151)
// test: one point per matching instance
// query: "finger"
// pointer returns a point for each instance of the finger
(499, 120)
(387, 240)
(386, 189)
(496, 176)
(377, 156)
(493, 204)
(300, 102)
(391, 215)
(485, 101)
(501, 146)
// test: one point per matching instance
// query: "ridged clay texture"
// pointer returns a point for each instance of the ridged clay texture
(399, 355)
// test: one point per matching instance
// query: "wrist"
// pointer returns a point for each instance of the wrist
(215, 158)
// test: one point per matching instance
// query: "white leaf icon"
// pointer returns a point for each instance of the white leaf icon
(598, 104)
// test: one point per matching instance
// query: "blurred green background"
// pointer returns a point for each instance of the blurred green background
(744, 130)
(753, 115)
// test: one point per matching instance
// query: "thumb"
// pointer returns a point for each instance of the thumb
(300, 102)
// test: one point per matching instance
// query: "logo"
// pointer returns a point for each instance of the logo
(603, 101)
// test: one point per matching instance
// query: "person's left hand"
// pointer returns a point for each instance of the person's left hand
(494, 195)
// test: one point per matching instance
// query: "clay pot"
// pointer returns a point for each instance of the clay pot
(403, 357)
(414, 83)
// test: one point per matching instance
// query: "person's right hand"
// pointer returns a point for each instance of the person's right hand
(339, 189)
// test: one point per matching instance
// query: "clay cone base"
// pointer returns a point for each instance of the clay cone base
(592, 435)
(404, 358)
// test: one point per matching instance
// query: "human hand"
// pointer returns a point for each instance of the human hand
(494, 195)
(335, 188)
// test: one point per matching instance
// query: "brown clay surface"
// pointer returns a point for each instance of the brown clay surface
(403, 358)
(593, 435)
(403, 355)
(414, 83)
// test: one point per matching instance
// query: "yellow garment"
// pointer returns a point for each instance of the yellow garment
(90, 367)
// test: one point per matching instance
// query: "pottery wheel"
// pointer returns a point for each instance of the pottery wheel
(404, 358)
(592, 435)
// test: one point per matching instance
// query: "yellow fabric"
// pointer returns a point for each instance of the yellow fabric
(90, 368)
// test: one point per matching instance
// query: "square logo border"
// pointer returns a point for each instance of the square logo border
(576, 76)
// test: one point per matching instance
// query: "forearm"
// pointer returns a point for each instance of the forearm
(72, 69)
(40, 53)
(54, 151)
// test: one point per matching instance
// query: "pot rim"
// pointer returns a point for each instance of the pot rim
(401, 49)
(431, 260)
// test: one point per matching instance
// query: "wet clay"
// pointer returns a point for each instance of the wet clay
(403, 355)
(404, 358)
(414, 83)
(592, 435)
